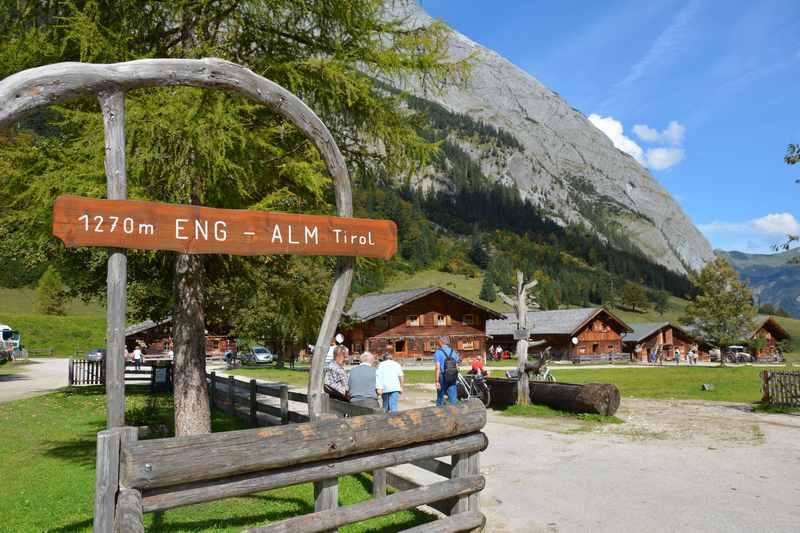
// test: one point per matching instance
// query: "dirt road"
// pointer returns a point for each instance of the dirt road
(38, 377)
(671, 466)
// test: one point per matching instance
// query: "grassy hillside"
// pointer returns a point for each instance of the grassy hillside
(83, 327)
(463, 285)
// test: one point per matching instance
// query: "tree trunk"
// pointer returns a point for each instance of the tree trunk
(599, 398)
(523, 398)
(192, 412)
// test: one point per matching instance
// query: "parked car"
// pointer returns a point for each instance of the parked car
(736, 354)
(260, 355)
(98, 354)
(714, 355)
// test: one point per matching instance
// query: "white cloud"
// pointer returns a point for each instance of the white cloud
(663, 158)
(614, 131)
(757, 235)
(673, 134)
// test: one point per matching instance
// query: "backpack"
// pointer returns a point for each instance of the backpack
(450, 369)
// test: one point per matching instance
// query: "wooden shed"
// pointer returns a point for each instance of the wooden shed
(586, 333)
(662, 336)
(408, 323)
(768, 328)
(155, 338)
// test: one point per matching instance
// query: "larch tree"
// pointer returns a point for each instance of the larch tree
(722, 312)
(209, 148)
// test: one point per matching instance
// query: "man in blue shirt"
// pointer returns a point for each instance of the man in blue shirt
(439, 359)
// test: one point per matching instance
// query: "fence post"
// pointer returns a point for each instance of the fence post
(379, 483)
(130, 514)
(460, 469)
(106, 480)
(474, 469)
(231, 395)
(765, 386)
(326, 492)
(253, 406)
(70, 372)
(284, 404)
(212, 390)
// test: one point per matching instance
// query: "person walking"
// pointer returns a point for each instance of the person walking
(677, 357)
(653, 354)
(335, 376)
(446, 367)
(362, 383)
(498, 352)
(389, 382)
(137, 358)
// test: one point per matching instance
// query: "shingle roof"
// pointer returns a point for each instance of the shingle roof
(760, 320)
(369, 306)
(643, 330)
(555, 322)
(144, 326)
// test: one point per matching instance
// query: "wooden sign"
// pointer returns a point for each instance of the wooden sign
(192, 229)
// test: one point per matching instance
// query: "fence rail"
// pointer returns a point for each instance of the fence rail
(781, 388)
(159, 474)
(83, 372)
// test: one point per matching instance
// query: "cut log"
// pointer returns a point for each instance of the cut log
(598, 398)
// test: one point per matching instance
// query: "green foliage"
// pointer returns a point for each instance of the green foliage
(634, 296)
(722, 312)
(792, 156)
(478, 253)
(488, 291)
(209, 147)
(660, 301)
(51, 294)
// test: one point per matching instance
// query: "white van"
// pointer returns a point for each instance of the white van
(10, 337)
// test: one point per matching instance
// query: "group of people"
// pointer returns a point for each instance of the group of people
(657, 356)
(495, 353)
(367, 382)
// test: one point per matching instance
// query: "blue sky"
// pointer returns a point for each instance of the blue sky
(704, 93)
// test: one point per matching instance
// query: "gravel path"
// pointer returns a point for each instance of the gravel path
(671, 466)
(40, 376)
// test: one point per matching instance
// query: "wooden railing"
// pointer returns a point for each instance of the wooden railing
(83, 372)
(136, 477)
(781, 388)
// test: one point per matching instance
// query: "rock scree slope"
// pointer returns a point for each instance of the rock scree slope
(565, 165)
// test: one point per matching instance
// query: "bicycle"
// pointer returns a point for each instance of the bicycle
(474, 387)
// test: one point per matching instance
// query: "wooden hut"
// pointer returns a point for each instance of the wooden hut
(155, 338)
(408, 323)
(588, 333)
(768, 328)
(662, 336)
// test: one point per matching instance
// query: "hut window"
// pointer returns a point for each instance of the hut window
(582, 349)
(430, 346)
(469, 319)
(400, 346)
(441, 320)
(467, 345)
(611, 346)
(412, 320)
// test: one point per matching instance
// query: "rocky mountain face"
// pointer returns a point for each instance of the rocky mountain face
(773, 278)
(560, 161)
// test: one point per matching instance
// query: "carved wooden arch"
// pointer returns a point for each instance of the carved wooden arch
(25, 91)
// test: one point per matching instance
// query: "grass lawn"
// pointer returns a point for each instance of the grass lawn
(48, 449)
(542, 411)
(740, 384)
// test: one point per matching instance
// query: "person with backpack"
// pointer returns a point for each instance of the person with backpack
(446, 365)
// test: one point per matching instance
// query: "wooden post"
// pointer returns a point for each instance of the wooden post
(106, 480)
(112, 105)
(253, 403)
(212, 390)
(326, 492)
(524, 329)
(460, 469)
(284, 404)
(71, 372)
(765, 387)
(130, 514)
(231, 394)
(474, 469)
(379, 483)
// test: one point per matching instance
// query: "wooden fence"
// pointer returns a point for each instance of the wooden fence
(136, 477)
(781, 388)
(83, 372)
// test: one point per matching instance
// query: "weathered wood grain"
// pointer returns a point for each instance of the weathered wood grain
(239, 452)
(163, 498)
(106, 480)
(112, 105)
(434, 466)
(332, 519)
(129, 517)
(460, 470)
(379, 483)
(191, 229)
(599, 398)
(470, 521)
(25, 91)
